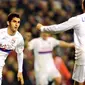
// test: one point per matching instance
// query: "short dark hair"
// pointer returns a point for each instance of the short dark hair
(12, 15)
(84, 4)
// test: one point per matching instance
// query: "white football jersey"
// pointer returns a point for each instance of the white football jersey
(43, 52)
(78, 24)
(9, 43)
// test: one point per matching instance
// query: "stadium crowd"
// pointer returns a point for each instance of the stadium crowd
(31, 12)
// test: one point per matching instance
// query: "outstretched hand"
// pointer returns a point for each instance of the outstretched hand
(39, 26)
(20, 78)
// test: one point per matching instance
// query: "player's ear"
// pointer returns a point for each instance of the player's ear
(8, 23)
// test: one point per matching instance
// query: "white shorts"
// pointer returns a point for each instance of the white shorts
(79, 73)
(43, 76)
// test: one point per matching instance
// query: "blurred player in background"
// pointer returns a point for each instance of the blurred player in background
(11, 39)
(44, 67)
(78, 24)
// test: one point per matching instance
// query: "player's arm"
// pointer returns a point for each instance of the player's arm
(66, 44)
(19, 50)
(71, 23)
(61, 43)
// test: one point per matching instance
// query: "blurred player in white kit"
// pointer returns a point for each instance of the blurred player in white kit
(11, 39)
(78, 24)
(44, 67)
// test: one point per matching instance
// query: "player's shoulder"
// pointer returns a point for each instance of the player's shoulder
(75, 19)
(81, 17)
(83, 14)
(34, 40)
(3, 29)
(18, 34)
(52, 39)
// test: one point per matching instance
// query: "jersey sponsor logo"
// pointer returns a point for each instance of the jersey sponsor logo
(5, 46)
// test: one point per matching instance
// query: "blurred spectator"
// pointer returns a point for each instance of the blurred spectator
(3, 18)
(9, 80)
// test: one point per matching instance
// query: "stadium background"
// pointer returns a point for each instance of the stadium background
(31, 12)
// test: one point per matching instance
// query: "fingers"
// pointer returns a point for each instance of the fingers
(21, 80)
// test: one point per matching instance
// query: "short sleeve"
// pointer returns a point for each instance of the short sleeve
(31, 44)
(55, 42)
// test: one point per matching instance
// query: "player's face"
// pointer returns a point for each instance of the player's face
(44, 35)
(14, 24)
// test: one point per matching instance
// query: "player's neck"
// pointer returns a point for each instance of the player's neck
(10, 32)
(44, 38)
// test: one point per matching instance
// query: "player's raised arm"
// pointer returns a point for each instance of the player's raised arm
(71, 23)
